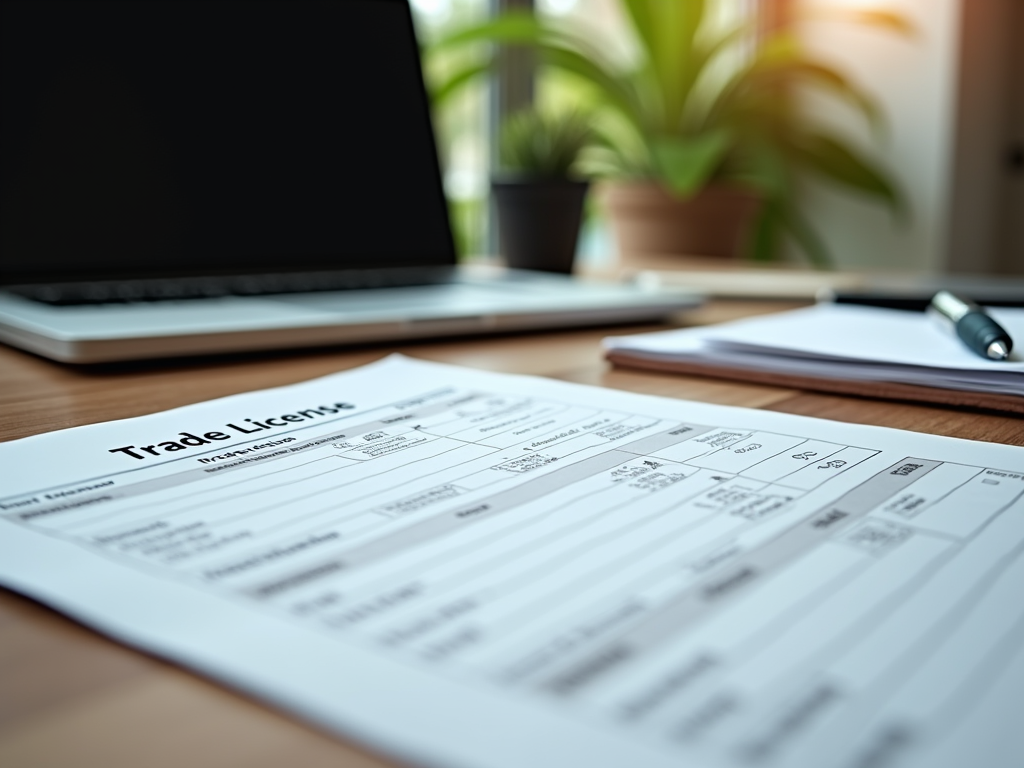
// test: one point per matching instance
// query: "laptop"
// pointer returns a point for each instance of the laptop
(183, 177)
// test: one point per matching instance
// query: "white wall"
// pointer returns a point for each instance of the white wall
(915, 81)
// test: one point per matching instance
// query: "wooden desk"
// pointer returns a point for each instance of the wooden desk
(68, 696)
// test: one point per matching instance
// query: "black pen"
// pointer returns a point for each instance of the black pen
(982, 335)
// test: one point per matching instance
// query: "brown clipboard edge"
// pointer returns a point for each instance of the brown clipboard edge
(878, 389)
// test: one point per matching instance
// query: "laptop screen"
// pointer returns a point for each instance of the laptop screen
(150, 138)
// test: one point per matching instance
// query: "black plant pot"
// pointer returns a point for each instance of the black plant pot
(539, 222)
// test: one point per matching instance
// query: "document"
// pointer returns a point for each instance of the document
(843, 342)
(462, 568)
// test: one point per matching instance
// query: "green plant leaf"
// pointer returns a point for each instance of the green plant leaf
(544, 144)
(780, 49)
(805, 236)
(709, 50)
(835, 159)
(766, 235)
(768, 80)
(440, 92)
(555, 48)
(777, 219)
(760, 164)
(707, 83)
(619, 150)
(643, 19)
(511, 27)
(613, 88)
(831, 80)
(686, 164)
(668, 30)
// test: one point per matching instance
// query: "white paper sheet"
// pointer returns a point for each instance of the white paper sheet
(473, 569)
(845, 342)
(872, 334)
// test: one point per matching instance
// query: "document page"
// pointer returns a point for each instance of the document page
(871, 334)
(464, 568)
(837, 341)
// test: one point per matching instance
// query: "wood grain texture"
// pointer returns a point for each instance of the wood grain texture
(69, 696)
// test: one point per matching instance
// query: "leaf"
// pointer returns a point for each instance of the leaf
(544, 144)
(710, 50)
(620, 150)
(440, 92)
(614, 88)
(668, 30)
(707, 83)
(687, 164)
(835, 159)
(769, 78)
(511, 27)
(829, 79)
(776, 219)
(555, 49)
(805, 236)
(763, 166)
(781, 48)
(640, 13)
(764, 243)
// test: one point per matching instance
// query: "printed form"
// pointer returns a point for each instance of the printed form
(474, 569)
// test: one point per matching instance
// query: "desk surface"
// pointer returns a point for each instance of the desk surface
(68, 696)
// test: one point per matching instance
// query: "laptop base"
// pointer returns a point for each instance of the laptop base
(476, 300)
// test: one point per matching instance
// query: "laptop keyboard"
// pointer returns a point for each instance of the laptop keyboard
(177, 289)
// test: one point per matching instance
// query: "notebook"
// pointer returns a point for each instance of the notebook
(188, 177)
(841, 348)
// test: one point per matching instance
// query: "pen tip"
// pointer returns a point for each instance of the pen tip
(997, 350)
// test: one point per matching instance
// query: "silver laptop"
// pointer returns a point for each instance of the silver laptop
(183, 177)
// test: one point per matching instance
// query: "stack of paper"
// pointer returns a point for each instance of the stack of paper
(841, 348)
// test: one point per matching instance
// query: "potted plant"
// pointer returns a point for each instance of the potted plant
(684, 128)
(539, 201)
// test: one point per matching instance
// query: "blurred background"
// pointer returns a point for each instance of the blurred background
(948, 89)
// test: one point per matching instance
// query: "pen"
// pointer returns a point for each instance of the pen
(982, 335)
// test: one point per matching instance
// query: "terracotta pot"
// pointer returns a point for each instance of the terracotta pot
(648, 220)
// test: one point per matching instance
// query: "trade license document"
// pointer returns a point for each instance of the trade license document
(471, 569)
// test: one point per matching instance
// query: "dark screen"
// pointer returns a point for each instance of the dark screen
(214, 136)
